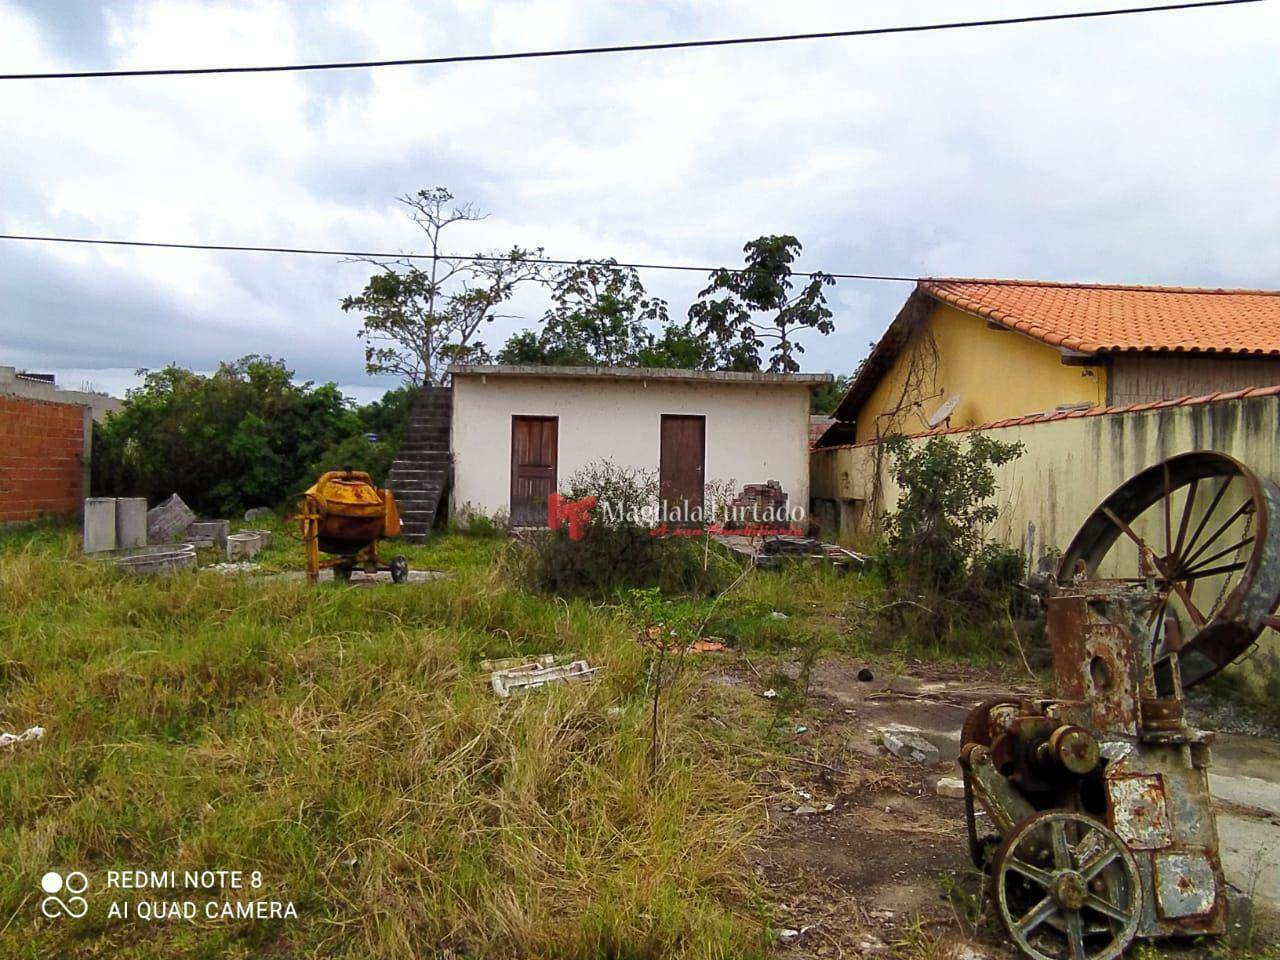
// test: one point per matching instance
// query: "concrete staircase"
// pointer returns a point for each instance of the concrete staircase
(420, 472)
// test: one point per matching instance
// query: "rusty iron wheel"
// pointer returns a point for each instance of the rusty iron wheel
(977, 729)
(977, 725)
(1067, 888)
(1198, 521)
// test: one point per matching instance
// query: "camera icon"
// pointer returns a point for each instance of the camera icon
(74, 884)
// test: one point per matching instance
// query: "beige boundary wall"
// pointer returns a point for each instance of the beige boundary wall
(757, 425)
(1071, 462)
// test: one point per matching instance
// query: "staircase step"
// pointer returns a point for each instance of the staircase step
(412, 467)
(417, 500)
(412, 477)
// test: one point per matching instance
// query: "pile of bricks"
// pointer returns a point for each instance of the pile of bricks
(759, 504)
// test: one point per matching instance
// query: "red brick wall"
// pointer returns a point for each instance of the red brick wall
(41, 458)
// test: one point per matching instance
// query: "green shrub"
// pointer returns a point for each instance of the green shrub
(354, 453)
(937, 534)
(1254, 685)
(246, 435)
(936, 557)
(618, 551)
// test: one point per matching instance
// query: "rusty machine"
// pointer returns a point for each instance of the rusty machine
(1099, 798)
(344, 515)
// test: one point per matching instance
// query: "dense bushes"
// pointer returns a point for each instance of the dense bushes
(936, 555)
(246, 435)
(617, 550)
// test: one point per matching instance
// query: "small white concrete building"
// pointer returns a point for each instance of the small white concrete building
(519, 431)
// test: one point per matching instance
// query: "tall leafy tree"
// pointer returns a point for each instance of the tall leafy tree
(756, 312)
(239, 437)
(601, 314)
(417, 320)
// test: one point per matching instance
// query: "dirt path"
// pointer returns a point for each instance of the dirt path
(864, 858)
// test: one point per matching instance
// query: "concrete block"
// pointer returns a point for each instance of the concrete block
(168, 521)
(264, 538)
(242, 546)
(215, 530)
(909, 744)
(99, 524)
(131, 522)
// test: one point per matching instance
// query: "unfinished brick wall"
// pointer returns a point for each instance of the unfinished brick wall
(42, 458)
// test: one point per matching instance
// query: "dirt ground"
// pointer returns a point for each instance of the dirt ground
(864, 858)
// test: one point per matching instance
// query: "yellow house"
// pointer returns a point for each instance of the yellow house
(968, 352)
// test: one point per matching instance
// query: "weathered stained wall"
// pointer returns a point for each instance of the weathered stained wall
(1071, 464)
(996, 374)
(1141, 379)
(754, 432)
(44, 458)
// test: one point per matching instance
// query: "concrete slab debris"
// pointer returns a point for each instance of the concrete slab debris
(258, 513)
(244, 566)
(513, 663)
(30, 735)
(950, 787)
(168, 521)
(531, 676)
(158, 561)
(908, 743)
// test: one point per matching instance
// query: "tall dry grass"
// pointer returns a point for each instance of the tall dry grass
(344, 742)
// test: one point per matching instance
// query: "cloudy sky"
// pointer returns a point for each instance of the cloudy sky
(1139, 149)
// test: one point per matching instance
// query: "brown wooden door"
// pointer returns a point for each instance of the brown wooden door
(681, 468)
(533, 468)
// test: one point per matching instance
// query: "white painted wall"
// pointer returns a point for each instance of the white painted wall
(755, 432)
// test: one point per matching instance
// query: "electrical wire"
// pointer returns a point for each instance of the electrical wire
(624, 48)
(391, 257)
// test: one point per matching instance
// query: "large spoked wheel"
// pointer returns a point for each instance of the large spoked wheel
(1067, 888)
(1202, 527)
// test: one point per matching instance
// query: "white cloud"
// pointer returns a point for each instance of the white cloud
(1138, 148)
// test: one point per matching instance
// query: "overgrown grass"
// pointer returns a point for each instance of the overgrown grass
(344, 742)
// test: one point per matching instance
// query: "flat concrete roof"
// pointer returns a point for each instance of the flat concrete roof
(537, 372)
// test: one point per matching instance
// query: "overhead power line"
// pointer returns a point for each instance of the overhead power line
(476, 258)
(626, 47)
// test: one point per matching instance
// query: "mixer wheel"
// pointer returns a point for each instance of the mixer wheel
(1067, 888)
(977, 725)
(399, 568)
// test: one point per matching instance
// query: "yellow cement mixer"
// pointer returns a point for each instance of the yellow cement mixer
(344, 515)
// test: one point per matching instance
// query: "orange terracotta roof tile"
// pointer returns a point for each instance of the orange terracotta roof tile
(1100, 318)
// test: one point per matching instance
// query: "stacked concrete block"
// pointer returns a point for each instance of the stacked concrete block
(209, 533)
(99, 524)
(131, 523)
